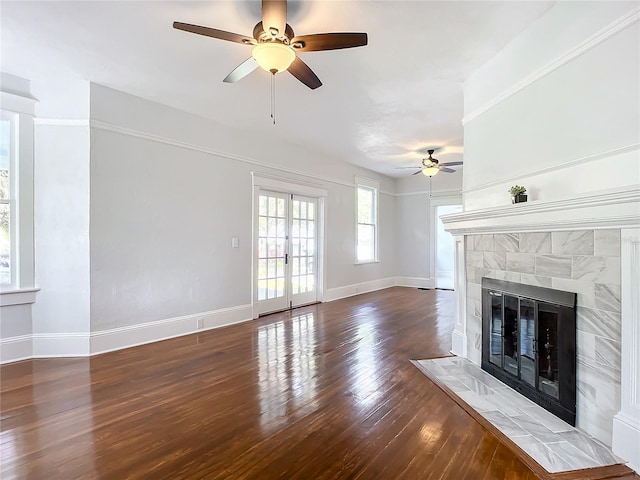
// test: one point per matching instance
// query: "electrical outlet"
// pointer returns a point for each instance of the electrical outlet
(200, 323)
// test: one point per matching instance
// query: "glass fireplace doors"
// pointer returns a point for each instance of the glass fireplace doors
(529, 343)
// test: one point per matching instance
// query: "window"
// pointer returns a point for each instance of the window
(7, 199)
(16, 191)
(367, 221)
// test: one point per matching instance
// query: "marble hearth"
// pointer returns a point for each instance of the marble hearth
(588, 245)
(552, 443)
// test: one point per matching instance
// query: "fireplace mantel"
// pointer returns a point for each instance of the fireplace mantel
(619, 208)
(606, 209)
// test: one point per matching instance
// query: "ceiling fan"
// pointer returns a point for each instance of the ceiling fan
(275, 45)
(431, 166)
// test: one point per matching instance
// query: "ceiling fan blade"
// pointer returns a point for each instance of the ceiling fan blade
(450, 164)
(448, 170)
(242, 70)
(408, 167)
(419, 171)
(212, 32)
(328, 41)
(302, 72)
(274, 16)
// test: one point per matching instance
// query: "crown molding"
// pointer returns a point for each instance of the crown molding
(98, 124)
(61, 122)
(594, 40)
(617, 208)
(18, 102)
(555, 168)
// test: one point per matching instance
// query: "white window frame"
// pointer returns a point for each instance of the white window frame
(19, 104)
(374, 186)
(12, 118)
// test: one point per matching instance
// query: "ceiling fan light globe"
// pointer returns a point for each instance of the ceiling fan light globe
(273, 57)
(430, 171)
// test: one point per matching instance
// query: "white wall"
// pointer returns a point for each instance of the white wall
(415, 222)
(168, 192)
(558, 112)
(568, 121)
(62, 229)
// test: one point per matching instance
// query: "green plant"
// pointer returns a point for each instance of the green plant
(517, 190)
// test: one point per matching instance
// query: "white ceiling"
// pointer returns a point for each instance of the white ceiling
(378, 105)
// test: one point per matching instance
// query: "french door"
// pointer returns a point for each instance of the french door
(286, 242)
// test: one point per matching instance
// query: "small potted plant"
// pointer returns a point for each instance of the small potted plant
(518, 194)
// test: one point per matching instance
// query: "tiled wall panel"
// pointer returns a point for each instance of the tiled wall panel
(586, 262)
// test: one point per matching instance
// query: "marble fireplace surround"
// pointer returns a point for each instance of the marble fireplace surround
(589, 245)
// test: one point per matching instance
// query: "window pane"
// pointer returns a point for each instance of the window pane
(5, 158)
(366, 242)
(365, 205)
(5, 245)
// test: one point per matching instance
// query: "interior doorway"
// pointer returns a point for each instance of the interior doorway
(443, 259)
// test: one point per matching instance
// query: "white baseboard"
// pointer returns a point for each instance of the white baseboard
(626, 439)
(14, 349)
(131, 336)
(48, 345)
(337, 293)
(345, 291)
(459, 343)
(417, 282)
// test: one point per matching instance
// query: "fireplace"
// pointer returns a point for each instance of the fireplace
(529, 342)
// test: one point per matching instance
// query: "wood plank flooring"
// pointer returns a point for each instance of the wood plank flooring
(321, 392)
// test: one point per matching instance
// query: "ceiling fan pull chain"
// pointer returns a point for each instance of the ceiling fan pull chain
(430, 187)
(271, 97)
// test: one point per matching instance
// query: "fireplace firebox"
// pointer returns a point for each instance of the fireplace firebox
(529, 342)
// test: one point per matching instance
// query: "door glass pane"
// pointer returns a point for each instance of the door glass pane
(262, 289)
(510, 338)
(303, 247)
(271, 246)
(495, 340)
(527, 336)
(548, 350)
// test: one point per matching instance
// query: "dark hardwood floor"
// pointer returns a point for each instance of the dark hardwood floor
(321, 392)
